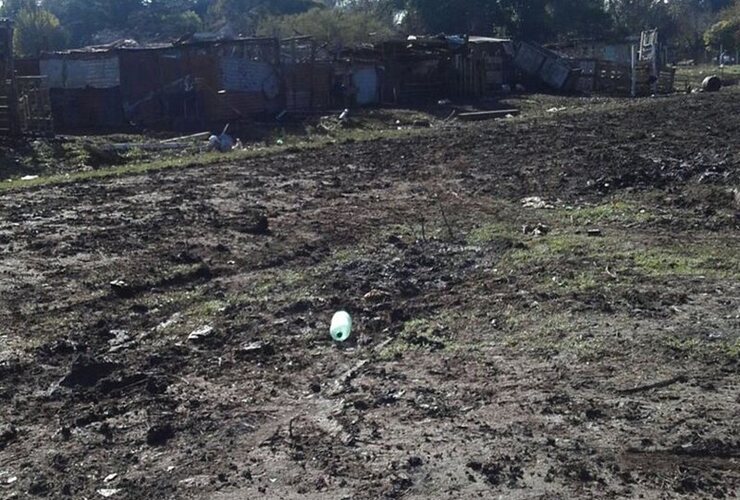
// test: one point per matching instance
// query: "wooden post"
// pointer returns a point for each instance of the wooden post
(312, 98)
(656, 73)
(633, 69)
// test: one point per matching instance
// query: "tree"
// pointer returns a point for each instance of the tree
(246, 15)
(539, 20)
(11, 8)
(85, 18)
(726, 32)
(166, 19)
(634, 16)
(689, 19)
(578, 19)
(456, 16)
(526, 19)
(37, 30)
(335, 27)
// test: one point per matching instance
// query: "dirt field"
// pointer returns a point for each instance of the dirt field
(583, 343)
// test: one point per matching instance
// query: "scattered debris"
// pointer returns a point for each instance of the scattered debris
(122, 289)
(201, 334)
(168, 323)
(223, 143)
(108, 492)
(258, 348)
(341, 383)
(536, 230)
(376, 296)
(193, 137)
(487, 115)
(536, 202)
(121, 339)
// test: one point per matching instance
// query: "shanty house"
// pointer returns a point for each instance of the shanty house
(85, 88)
(175, 87)
(485, 66)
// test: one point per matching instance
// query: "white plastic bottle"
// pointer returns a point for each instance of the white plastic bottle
(341, 326)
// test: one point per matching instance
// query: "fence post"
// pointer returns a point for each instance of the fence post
(633, 70)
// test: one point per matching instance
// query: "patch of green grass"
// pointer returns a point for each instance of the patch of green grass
(567, 254)
(732, 349)
(419, 334)
(490, 231)
(582, 281)
(550, 249)
(692, 347)
(689, 260)
(557, 333)
(693, 75)
(683, 345)
(616, 211)
(277, 285)
(207, 309)
(203, 159)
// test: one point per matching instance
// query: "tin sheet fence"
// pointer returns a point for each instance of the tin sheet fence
(34, 105)
(615, 79)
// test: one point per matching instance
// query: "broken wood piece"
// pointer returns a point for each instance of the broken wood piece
(347, 376)
(656, 385)
(487, 115)
(156, 146)
(192, 137)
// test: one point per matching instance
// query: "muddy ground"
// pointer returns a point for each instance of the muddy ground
(545, 307)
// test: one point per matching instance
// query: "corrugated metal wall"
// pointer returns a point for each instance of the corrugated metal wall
(249, 76)
(85, 92)
(96, 73)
